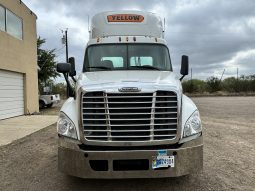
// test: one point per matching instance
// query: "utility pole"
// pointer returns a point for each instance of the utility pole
(65, 42)
(237, 73)
(191, 73)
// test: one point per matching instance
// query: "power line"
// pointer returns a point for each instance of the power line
(60, 49)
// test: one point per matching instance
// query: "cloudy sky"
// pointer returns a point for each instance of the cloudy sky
(216, 34)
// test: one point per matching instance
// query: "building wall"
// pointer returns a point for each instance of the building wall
(21, 55)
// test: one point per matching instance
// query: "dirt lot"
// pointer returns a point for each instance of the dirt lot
(52, 110)
(229, 156)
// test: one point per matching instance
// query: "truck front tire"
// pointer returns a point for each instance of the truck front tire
(49, 105)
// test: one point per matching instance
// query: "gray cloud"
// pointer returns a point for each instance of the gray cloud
(211, 33)
(215, 34)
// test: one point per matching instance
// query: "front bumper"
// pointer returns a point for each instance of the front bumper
(77, 162)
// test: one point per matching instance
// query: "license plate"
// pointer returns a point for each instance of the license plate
(162, 161)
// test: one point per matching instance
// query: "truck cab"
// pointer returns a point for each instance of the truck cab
(127, 116)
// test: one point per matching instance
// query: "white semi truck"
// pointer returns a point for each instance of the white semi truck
(127, 116)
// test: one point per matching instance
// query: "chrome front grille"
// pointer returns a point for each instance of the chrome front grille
(129, 116)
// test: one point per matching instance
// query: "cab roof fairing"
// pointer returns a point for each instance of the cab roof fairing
(146, 24)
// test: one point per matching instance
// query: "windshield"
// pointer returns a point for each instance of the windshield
(127, 57)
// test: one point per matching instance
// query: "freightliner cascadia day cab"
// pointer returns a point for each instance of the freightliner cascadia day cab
(127, 116)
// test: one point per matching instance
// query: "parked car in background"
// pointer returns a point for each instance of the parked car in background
(47, 99)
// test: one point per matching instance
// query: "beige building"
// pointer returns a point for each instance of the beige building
(18, 60)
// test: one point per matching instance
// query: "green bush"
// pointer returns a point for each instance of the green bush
(213, 84)
(194, 86)
(230, 85)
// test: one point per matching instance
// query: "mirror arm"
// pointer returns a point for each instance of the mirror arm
(182, 77)
(74, 79)
(69, 86)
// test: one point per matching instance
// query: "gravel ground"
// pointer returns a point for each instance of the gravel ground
(52, 110)
(229, 156)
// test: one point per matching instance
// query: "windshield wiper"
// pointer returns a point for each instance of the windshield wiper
(146, 67)
(100, 67)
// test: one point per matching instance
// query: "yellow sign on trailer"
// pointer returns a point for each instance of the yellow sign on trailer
(125, 18)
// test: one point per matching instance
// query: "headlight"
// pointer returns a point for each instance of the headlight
(66, 127)
(193, 125)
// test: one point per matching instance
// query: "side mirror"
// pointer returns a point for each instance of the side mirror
(63, 68)
(72, 70)
(184, 66)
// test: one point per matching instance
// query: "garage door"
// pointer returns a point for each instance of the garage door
(11, 94)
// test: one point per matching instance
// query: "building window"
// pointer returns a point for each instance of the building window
(2, 18)
(14, 25)
(11, 23)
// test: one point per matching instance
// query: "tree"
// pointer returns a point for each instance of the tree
(46, 64)
(59, 88)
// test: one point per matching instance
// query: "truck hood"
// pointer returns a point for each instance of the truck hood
(147, 80)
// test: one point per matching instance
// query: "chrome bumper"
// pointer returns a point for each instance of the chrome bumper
(77, 162)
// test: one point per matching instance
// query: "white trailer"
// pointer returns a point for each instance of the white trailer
(127, 116)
